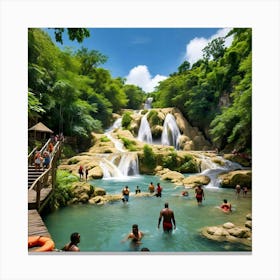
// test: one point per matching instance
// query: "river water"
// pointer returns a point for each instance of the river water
(102, 227)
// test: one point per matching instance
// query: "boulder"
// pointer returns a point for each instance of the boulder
(99, 191)
(228, 225)
(248, 224)
(172, 176)
(95, 173)
(195, 180)
(249, 217)
(100, 200)
(240, 232)
(231, 179)
(230, 232)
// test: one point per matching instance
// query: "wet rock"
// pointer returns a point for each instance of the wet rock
(241, 177)
(195, 180)
(229, 232)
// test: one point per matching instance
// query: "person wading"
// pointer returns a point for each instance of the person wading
(168, 218)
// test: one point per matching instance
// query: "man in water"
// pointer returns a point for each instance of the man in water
(136, 235)
(168, 218)
(125, 193)
(159, 190)
(73, 244)
(199, 194)
(151, 188)
(237, 190)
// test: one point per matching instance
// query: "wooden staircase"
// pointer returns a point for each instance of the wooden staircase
(33, 174)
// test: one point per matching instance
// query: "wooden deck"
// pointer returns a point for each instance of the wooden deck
(36, 225)
(43, 195)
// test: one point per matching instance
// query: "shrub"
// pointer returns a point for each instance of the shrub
(154, 119)
(104, 139)
(126, 120)
(129, 144)
(149, 157)
(67, 151)
(62, 193)
(170, 161)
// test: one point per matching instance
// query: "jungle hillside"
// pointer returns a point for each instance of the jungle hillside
(70, 92)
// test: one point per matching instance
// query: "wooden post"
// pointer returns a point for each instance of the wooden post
(38, 195)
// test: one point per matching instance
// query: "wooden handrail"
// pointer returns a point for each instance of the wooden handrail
(42, 180)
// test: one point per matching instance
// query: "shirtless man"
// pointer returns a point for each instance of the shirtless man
(168, 218)
(199, 194)
(151, 187)
(125, 193)
(135, 235)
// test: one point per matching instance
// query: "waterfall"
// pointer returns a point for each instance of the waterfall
(128, 165)
(214, 170)
(144, 133)
(171, 133)
(118, 144)
(207, 163)
(148, 103)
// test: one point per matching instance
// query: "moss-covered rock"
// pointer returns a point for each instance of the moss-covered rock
(237, 177)
(239, 158)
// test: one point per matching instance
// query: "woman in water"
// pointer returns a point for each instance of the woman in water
(226, 206)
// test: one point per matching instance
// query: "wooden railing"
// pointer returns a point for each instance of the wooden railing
(43, 180)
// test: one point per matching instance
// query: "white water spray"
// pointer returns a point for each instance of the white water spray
(171, 133)
(144, 133)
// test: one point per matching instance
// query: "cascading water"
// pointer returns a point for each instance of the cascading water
(171, 133)
(144, 133)
(148, 103)
(126, 166)
(214, 170)
(118, 144)
(129, 165)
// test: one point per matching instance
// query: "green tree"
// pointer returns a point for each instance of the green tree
(135, 96)
(78, 34)
(89, 60)
(184, 67)
(214, 49)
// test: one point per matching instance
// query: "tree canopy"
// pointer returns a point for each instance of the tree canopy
(69, 91)
(215, 94)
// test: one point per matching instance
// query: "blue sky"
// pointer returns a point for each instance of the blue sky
(146, 56)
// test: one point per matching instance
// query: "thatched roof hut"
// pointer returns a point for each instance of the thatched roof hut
(40, 131)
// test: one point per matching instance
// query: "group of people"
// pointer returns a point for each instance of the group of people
(158, 189)
(167, 217)
(238, 190)
(43, 160)
(83, 172)
(126, 191)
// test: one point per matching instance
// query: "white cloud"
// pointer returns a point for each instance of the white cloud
(195, 46)
(140, 76)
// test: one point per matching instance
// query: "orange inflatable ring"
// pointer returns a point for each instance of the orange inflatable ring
(46, 244)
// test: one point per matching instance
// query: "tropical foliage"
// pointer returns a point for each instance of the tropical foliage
(71, 93)
(68, 91)
(215, 94)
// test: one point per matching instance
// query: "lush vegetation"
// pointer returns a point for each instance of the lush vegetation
(62, 192)
(215, 94)
(69, 91)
